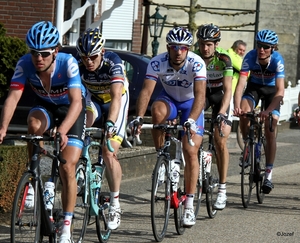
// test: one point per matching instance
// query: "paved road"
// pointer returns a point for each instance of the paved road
(276, 220)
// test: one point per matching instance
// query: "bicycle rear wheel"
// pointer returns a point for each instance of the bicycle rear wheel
(178, 212)
(212, 189)
(26, 219)
(103, 232)
(160, 198)
(81, 210)
(260, 170)
(247, 173)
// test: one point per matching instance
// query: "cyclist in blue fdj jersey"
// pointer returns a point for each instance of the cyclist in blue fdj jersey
(54, 78)
(266, 67)
(183, 76)
(104, 76)
(218, 97)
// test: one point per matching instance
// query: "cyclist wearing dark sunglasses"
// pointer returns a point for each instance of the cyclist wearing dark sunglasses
(103, 74)
(266, 68)
(218, 97)
(54, 78)
(183, 76)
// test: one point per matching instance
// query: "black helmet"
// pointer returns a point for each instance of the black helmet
(209, 32)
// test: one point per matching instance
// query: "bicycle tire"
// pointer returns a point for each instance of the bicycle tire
(261, 168)
(81, 210)
(26, 221)
(247, 174)
(103, 232)
(199, 187)
(160, 198)
(178, 212)
(213, 187)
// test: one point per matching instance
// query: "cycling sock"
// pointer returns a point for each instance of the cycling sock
(269, 169)
(67, 224)
(189, 201)
(222, 188)
(114, 198)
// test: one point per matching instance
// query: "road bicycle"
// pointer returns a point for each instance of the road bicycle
(36, 223)
(253, 159)
(239, 135)
(209, 176)
(168, 191)
(90, 175)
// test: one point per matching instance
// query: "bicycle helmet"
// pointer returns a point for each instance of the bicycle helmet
(42, 35)
(267, 36)
(209, 32)
(90, 42)
(179, 35)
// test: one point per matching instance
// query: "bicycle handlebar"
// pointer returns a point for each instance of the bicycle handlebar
(252, 115)
(166, 127)
(105, 140)
(35, 138)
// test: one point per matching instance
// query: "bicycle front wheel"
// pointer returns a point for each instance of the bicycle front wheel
(247, 174)
(103, 232)
(212, 188)
(260, 170)
(81, 210)
(26, 211)
(160, 198)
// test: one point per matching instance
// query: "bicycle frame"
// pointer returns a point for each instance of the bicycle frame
(94, 182)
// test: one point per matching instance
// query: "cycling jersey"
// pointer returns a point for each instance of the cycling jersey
(65, 76)
(220, 66)
(111, 70)
(178, 84)
(263, 75)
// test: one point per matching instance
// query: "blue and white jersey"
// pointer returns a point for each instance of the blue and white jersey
(178, 84)
(65, 76)
(259, 75)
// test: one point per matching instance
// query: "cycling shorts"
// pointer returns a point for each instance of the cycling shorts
(55, 114)
(185, 108)
(214, 100)
(100, 110)
(255, 92)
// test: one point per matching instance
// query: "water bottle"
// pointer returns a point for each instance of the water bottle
(207, 156)
(258, 152)
(175, 171)
(49, 195)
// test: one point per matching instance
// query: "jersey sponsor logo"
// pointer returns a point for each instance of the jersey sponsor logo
(155, 66)
(214, 75)
(73, 69)
(18, 72)
(280, 67)
(197, 66)
(184, 83)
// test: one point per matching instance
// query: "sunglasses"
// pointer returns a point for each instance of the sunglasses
(43, 54)
(177, 47)
(92, 58)
(265, 47)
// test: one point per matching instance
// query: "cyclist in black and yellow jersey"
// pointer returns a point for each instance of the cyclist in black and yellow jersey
(218, 96)
(104, 76)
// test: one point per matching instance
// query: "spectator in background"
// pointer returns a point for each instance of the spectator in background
(239, 47)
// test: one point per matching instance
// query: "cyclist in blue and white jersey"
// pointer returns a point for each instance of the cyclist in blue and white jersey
(266, 67)
(183, 76)
(54, 78)
(103, 74)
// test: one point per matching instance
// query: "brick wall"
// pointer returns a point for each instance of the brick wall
(137, 30)
(18, 16)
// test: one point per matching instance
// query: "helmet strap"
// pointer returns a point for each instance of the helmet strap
(262, 59)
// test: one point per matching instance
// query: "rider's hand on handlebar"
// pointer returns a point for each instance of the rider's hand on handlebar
(297, 115)
(135, 125)
(192, 125)
(238, 111)
(109, 129)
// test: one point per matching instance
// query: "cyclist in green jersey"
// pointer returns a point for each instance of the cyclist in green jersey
(218, 96)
